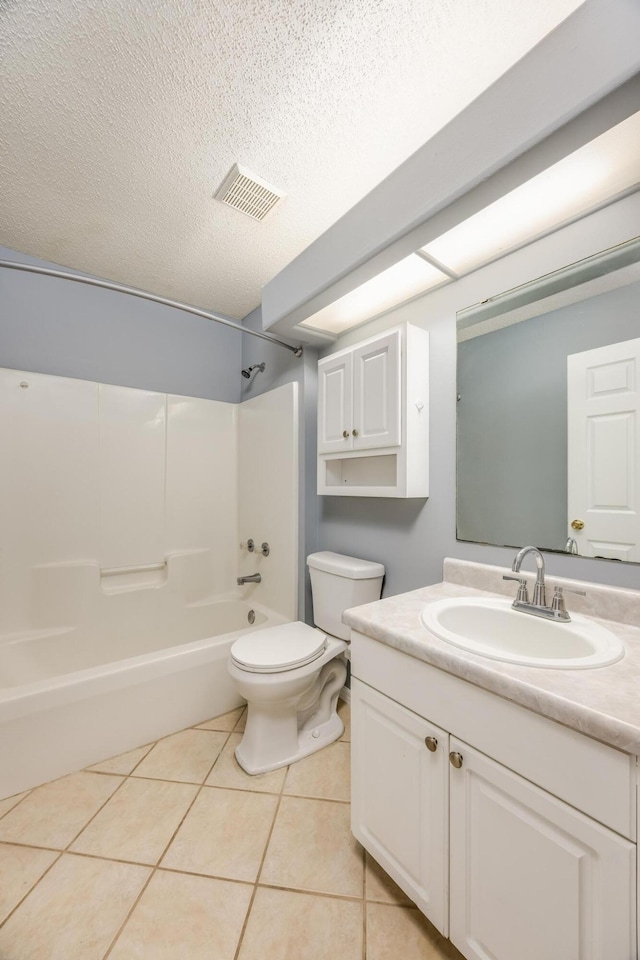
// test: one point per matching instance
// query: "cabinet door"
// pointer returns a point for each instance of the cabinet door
(335, 404)
(399, 797)
(530, 876)
(376, 393)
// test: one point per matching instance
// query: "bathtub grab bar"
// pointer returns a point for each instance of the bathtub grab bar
(141, 568)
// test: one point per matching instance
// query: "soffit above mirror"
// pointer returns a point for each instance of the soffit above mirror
(597, 174)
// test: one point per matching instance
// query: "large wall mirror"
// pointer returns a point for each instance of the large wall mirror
(549, 411)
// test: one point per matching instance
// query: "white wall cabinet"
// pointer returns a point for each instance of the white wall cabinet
(373, 418)
(335, 403)
(500, 865)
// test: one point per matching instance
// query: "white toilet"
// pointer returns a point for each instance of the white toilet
(291, 675)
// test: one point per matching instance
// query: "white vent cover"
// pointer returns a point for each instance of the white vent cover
(248, 193)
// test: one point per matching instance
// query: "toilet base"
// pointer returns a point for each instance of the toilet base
(326, 733)
(281, 730)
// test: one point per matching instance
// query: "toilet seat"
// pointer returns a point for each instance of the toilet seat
(278, 649)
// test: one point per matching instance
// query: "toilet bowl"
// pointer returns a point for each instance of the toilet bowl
(291, 675)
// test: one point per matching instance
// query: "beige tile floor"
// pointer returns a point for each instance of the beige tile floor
(171, 852)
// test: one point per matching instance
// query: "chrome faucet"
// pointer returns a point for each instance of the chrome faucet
(254, 578)
(539, 591)
(538, 606)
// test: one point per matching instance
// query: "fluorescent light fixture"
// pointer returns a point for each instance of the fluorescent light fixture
(405, 279)
(590, 176)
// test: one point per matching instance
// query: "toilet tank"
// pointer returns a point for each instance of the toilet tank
(339, 582)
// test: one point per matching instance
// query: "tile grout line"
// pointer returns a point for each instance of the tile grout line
(198, 783)
(64, 849)
(311, 893)
(151, 744)
(124, 778)
(31, 888)
(364, 904)
(288, 889)
(259, 872)
(16, 804)
(207, 876)
(155, 867)
(303, 796)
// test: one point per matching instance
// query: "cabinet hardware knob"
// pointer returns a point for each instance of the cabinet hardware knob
(431, 744)
(456, 760)
(345, 434)
(577, 524)
(354, 433)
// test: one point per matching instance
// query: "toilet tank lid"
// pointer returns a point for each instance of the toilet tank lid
(342, 566)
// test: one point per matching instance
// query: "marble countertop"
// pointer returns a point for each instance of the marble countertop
(602, 702)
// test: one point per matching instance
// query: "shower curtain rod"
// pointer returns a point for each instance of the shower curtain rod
(134, 292)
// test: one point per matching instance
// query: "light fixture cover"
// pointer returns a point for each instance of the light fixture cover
(405, 279)
(595, 174)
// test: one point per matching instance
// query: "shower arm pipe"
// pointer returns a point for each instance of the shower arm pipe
(135, 292)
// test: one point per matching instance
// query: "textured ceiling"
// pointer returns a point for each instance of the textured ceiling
(120, 119)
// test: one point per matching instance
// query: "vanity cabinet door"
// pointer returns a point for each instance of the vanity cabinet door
(399, 797)
(335, 404)
(531, 877)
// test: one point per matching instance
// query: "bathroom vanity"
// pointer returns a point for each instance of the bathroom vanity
(501, 798)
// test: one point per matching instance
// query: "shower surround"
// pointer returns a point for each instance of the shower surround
(122, 514)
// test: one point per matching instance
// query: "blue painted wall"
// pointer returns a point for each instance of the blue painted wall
(56, 326)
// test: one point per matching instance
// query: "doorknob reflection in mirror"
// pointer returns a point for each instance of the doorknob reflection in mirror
(577, 524)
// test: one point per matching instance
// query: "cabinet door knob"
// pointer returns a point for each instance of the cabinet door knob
(456, 760)
(577, 524)
(354, 433)
(345, 434)
(431, 744)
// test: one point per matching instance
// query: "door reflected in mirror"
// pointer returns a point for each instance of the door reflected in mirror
(549, 412)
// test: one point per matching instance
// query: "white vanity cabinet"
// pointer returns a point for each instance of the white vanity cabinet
(530, 876)
(373, 417)
(400, 765)
(515, 835)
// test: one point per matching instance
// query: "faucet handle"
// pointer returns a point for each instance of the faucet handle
(578, 593)
(558, 604)
(559, 590)
(523, 593)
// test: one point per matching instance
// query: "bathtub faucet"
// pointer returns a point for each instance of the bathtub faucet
(254, 578)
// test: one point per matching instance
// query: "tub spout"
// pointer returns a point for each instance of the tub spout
(254, 578)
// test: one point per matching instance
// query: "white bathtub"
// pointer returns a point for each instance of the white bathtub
(72, 697)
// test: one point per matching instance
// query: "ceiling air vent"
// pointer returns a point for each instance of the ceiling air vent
(248, 193)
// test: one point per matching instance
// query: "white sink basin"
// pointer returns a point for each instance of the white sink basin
(492, 628)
